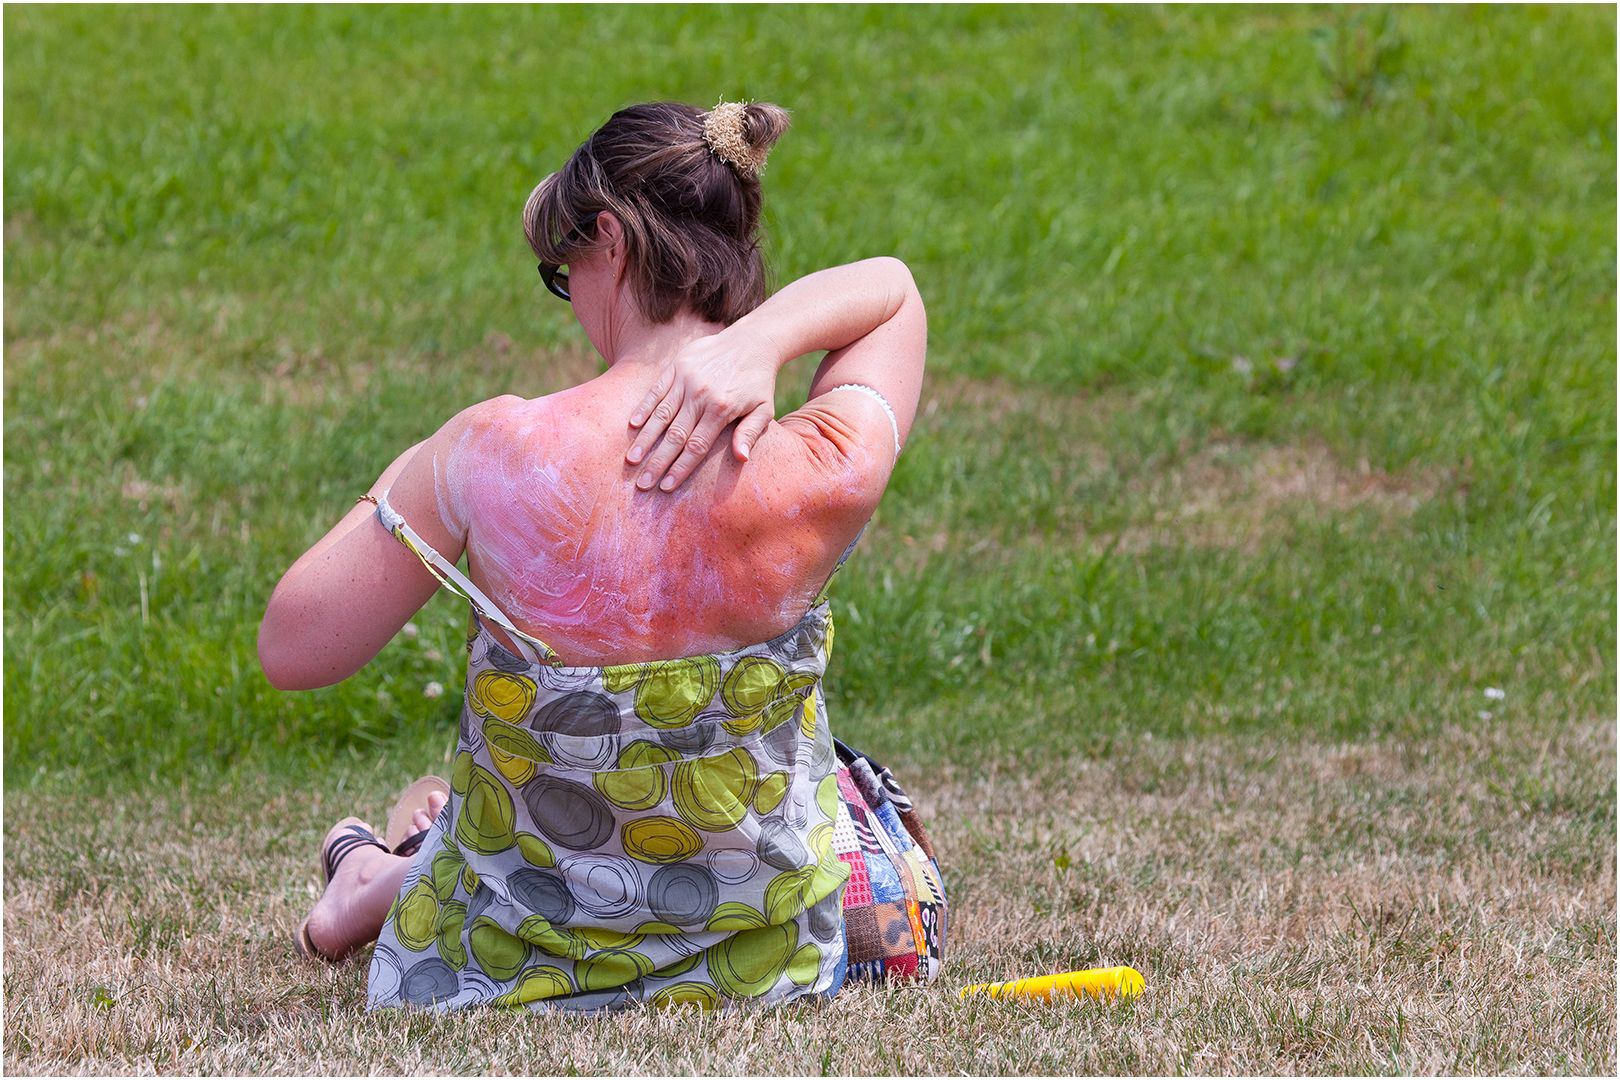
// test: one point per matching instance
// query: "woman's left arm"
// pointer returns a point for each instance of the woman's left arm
(352, 591)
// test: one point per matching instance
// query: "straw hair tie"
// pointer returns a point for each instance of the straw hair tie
(723, 132)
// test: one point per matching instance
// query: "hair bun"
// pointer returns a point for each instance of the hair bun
(741, 133)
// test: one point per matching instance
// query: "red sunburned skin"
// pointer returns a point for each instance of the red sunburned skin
(564, 543)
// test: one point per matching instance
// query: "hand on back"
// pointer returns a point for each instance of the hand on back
(709, 384)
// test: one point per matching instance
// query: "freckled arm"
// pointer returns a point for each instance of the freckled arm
(345, 597)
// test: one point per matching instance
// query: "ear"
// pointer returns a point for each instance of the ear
(610, 230)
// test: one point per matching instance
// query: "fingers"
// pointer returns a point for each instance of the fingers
(748, 432)
(665, 379)
(654, 421)
(697, 448)
(674, 440)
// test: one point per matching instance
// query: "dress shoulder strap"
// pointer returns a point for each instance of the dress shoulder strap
(536, 651)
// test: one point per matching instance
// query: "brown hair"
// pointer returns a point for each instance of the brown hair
(691, 219)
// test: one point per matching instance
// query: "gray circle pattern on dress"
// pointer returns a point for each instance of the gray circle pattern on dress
(573, 815)
(480, 901)
(780, 846)
(733, 866)
(429, 981)
(694, 738)
(543, 893)
(503, 659)
(571, 752)
(781, 743)
(683, 894)
(827, 916)
(582, 714)
(384, 978)
(604, 886)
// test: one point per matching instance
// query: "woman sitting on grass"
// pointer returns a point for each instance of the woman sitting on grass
(647, 803)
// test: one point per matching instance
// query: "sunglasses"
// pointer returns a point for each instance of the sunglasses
(553, 274)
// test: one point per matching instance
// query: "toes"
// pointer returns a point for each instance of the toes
(436, 801)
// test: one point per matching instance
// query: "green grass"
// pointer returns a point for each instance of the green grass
(1272, 367)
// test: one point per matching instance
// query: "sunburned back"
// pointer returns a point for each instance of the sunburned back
(560, 538)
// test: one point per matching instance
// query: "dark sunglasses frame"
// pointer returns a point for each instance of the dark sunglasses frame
(552, 273)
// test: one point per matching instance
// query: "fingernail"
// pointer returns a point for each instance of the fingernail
(644, 481)
(636, 419)
(635, 454)
(668, 484)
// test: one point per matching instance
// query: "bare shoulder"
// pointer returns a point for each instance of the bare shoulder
(827, 459)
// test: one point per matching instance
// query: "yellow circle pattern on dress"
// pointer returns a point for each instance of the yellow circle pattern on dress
(461, 773)
(805, 965)
(660, 839)
(502, 695)
(820, 840)
(671, 693)
(827, 795)
(713, 793)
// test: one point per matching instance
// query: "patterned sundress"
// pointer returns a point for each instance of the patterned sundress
(660, 832)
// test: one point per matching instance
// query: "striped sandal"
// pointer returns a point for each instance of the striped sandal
(354, 836)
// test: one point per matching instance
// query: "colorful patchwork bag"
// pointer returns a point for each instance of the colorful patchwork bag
(894, 903)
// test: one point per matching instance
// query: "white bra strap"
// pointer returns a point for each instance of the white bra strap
(535, 650)
(888, 410)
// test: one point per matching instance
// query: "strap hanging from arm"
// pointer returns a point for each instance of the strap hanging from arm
(535, 650)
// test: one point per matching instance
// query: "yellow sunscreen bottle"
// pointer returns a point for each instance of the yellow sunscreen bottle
(1116, 982)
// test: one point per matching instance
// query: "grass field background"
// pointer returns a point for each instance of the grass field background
(1270, 421)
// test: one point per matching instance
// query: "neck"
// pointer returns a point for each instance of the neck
(639, 346)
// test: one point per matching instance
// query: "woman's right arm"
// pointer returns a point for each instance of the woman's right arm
(868, 315)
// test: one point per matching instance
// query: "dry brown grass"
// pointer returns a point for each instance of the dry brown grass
(1442, 907)
(1234, 495)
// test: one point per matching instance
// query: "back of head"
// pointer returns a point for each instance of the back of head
(684, 183)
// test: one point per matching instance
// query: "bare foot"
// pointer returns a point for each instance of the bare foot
(347, 915)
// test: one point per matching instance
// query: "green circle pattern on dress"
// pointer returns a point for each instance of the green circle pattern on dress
(498, 953)
(452, 918)
(416, 918)
(672, 692)
(537, 984)
(639, 782)
(746, 965)
(751, 684)
(702, 995)
(487, 816)
(713, 793)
